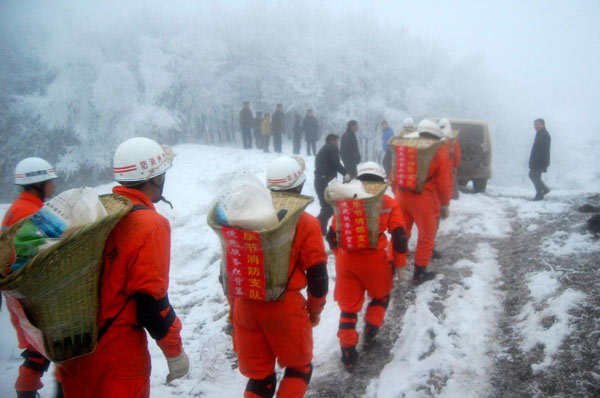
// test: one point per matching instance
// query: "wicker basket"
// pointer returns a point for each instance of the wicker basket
(426, 150)
(276, 242)
(59, 288)
(372, 210)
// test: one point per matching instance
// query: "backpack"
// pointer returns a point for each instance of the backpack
(411, 161)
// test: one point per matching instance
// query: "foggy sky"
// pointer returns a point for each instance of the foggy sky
(542, 54)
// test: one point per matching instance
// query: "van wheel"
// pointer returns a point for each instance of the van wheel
(471, 156)
(479, 185)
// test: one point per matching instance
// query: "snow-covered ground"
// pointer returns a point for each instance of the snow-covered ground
(450, 338)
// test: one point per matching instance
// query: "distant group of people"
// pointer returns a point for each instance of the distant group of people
(263, 127)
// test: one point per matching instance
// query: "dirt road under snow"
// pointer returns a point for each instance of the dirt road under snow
(542, 330)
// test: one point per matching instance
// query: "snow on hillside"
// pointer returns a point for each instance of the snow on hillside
(450, 337)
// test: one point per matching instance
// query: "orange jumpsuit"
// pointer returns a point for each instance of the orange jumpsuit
(455, 158)
(133, 291)
(367, 270)
(30, 373)
(423, 208)
(266, 331)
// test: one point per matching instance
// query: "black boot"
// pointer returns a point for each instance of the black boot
(436, 255)
(349, 357)
(421, 275)
(369, 337)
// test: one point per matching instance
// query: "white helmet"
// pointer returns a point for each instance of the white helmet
(446, 127)
(370, 168)
(33, 170)
(428, 126)
(140, 159)
(408, 123)
(285, 173)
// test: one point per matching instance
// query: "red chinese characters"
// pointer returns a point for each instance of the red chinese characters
(245, 264)
(353, 224)
(406, 167)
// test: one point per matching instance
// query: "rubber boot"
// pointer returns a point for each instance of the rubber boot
(421, 275)
(369, 336)
(349, 357)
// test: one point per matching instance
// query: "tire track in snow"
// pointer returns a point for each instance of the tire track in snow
(551, 314)
(447, 354)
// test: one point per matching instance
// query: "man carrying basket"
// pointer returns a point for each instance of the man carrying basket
(269, 331)
(360, 270)
(134, 286)
(36, 177)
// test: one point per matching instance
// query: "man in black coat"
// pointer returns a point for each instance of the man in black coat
(349, 149)
(277, 127)
(246, 121)
(310, 126)
(540, 159)
(327, 167)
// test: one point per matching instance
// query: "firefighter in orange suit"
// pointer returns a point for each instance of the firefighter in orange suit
(35, 176)
(134, 286)
(269, 331)
(455, 154)
(367, 270)
(426, 207)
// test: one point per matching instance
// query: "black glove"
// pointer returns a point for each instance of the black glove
(399, 240)
(331, 238)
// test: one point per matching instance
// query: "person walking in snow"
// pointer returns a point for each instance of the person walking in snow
(327, 167)
(265, 128)
(297, 134)
(349, 151)
(257, 130)
(278, 127)
(36, 178)
(366, 270)
(408, 126)
(310, 126)
(539, 160)
(425, 208)
(134, 287)
(386, 133)
(266, 332)
(246, 121)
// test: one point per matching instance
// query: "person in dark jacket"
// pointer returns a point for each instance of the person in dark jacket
(310, 126)
(246, 122)
(277, 127)
(386, 133)
(327, 167)
(297, 130)
(257, 130)
(349, 149)
(540, 159)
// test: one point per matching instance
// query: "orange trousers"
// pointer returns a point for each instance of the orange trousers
(357, 272)
(119, 367)
(30, 373)
(424, 211)
(266, 332)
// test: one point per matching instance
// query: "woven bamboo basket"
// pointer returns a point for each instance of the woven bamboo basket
(59, 288)
(426, 149)
(276, 242)
(372, 210)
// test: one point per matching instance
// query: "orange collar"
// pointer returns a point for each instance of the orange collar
(31, 198)
(137, 197)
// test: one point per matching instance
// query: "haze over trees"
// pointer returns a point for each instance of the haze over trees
(77, 78)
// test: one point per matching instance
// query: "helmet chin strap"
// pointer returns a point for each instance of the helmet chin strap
(160, 189)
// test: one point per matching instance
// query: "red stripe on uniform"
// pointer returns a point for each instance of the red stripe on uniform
(276, 181)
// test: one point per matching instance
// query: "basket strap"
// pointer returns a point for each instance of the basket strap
(110, 321)
(288, 282)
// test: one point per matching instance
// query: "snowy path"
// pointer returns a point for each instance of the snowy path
(514, 312)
